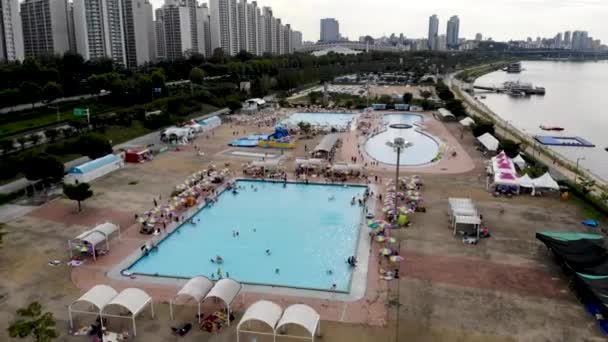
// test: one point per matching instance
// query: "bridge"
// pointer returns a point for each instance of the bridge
(351, 45)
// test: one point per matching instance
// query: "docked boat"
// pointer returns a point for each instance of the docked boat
(551, 128)
(514, 68)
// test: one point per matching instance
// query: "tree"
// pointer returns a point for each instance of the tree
(407, 97)
(51, 91)
(30, 91)
(233, 103)
(197, 75)
(314, 96)
(22, 140)
(510, 147)
(31, 321)
(481, 127)
(51, 134)
(94, 145)
(78, 192)
(44, 166)
(305, 127)
(7, 145)
(426, 94)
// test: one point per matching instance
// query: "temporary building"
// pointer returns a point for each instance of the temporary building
(196, 288)
(88, 241)
(180, 135)
(96, 297)
(301, 315)
(402, 106)
(473, 221)
(270, 164)
(545, 182)
(445, 114)
(262, 311)
(210, 123)
(347, 168)
(489, 142)
(271, 315)
(326, 146)
(132, 300)
(467, 122)
(93, 169)
(226, 290)
(137, 155)
(379, 106)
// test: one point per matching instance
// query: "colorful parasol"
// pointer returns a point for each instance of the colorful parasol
(385, 251)
(395, 258)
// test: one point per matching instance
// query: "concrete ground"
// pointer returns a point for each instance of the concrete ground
(506, 288)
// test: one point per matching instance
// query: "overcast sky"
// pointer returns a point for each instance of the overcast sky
(499, 19)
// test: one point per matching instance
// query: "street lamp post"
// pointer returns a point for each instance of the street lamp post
(576, 172)
(57, 110)
(399, 144)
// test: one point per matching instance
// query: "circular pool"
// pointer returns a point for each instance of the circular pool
(421, 148)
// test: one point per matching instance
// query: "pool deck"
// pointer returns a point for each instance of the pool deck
(361, 305)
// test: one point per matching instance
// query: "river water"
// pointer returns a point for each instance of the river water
(576, 99)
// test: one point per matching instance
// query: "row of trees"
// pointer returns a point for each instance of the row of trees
(451, 103)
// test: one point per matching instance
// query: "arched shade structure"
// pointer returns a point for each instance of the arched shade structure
(93, 237)
(196, 288)
(133, 300)
(98, 296)
(263, 311)
(302, 315)
(227, 290)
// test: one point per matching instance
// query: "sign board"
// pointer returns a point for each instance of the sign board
(80, 112)
(157, 90)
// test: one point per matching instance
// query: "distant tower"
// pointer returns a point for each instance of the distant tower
(452, 32)
(433, 32)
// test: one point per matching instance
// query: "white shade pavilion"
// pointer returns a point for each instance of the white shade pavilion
(227, 290)
(101, 233)
(196, 288)
(131, 299)
(98, 296)
(263, 311)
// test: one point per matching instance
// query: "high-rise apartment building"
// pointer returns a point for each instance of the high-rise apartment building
(433, 32)
(177, 30)
(253, 23)
(139, 32)
(224, 25)
(453, 29)
(580, 40)
(442, 42)
(330, 30)
(11, 36)
(45, 27)
(296, 40)
(71, 33)
(567, 39)
(159, 32)
(99, 29)
(478, 37)
(203, 30)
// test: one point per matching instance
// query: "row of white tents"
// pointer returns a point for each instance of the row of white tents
(104, 301)
(504, 173)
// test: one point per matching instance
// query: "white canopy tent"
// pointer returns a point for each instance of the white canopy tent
(263, 311)
(270, 164)
(196, 288)
(463, 211)
(474, 221)
(98, 296)
(459, 203)
(467, 122)
(227, 290)
(545, 182)
(133, 300)
(301, 315)
(445, 114)
(519, 162)
(489, 142)
(94, 237)
(312, 162)
(525, 181)
(347, 168)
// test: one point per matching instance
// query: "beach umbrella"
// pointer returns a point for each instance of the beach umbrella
(385, 251)
(392, 240)
(380, 238)
(141, 220)
(395, 258)
(152, 220)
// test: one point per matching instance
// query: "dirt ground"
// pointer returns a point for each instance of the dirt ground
(506, 288)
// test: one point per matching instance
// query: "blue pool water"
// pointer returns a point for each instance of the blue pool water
(248, 141)
(422, 151)
(307, 233)
(338, 120)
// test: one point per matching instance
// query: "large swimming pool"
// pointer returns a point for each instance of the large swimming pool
(338, 120)
(423, 148)
(309, 230)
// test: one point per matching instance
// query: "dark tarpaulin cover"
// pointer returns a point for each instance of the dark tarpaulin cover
(583, 255)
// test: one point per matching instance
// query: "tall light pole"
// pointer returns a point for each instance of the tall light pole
(576, 173)
(399, 144)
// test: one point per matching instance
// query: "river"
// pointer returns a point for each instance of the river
(576, 99)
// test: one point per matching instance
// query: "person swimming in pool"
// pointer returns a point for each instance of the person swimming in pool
(276, 271)
(268, 252)
(219, 259)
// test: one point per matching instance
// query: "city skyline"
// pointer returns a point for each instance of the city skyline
(555, 16)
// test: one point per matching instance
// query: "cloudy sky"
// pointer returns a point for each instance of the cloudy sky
(499, 19)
